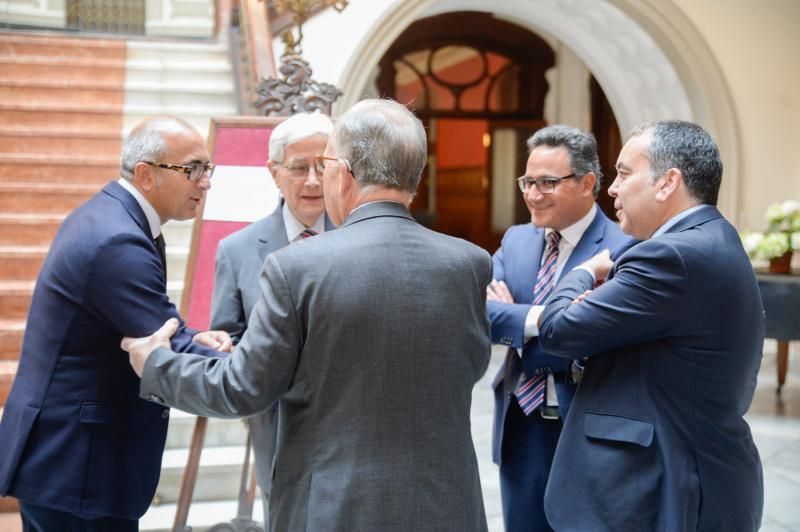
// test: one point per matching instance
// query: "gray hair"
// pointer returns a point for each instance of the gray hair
(690, 149)
(296, 128)
(384, 142)
(146, 141)
(580, 145)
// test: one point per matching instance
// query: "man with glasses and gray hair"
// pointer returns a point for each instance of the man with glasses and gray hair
(532, 388)
(240, 256)
(372, 336)
(78, 447)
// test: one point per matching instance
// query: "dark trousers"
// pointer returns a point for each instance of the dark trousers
(529, 443)
(40, 519)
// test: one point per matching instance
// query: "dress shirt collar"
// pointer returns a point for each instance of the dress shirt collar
(675, 219)
(294, 227)
(572, 235)
(153, 220)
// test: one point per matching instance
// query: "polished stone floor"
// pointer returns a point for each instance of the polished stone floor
(774, 421)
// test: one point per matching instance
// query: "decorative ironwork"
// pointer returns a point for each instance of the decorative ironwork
(107, 16)
(296, 91)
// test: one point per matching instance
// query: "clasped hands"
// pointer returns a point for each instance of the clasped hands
(140, 348)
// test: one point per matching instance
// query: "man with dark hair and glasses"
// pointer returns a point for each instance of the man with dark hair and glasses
(240, 256)
(78, 447)
(533, 389)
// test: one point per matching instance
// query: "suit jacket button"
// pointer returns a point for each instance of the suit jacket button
(165, 413)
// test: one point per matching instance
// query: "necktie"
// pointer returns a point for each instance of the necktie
(162, 251)
(530, 392)
(307, 233)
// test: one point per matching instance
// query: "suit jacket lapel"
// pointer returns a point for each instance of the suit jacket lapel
(116, 190)
(272, 233)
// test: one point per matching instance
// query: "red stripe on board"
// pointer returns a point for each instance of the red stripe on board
(243, 146)
(211, 232)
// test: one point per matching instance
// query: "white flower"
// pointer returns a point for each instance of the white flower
(789, 207)
(750, 241)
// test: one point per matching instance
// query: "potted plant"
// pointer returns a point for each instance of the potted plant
(781, 238)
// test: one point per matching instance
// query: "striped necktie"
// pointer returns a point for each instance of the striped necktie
(530, 392)
(307, 233)
(161, 245)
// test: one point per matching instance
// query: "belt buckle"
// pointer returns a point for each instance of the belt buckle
(550, 412)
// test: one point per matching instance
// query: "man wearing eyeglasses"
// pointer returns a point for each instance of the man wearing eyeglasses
(533, 389)
(78, 447)
(240, 256)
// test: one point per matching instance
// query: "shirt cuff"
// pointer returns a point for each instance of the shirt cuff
(532, 322)
(586, 269)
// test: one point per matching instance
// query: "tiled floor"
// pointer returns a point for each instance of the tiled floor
(774, 421)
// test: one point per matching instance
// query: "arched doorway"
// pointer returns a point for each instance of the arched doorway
(479, 85)
(651, 63)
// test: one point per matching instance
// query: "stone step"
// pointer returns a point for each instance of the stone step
(46, 141)
(65, 69)
(14, 92)
(202, 515)
(168, 71)
(219, 432)
(171, 52)
(8, 368)
(40, 170)
(49, 198)
(11, 333)
(15, 299)
(21, 263)
(208, 98)
(14, 43)
(14, 115)
(219, 476)
(24, 229)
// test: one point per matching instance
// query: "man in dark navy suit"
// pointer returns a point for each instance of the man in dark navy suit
(533, 389)
(655, 438)
(78, 447)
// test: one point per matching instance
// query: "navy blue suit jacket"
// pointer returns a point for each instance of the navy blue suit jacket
(517, 263)
(75, 436)
(655, 438)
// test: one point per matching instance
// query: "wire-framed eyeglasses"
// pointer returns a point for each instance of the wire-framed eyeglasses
(545, 185)
(194, 172)
(320, 159)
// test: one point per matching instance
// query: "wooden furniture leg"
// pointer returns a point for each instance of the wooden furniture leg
(783, 363)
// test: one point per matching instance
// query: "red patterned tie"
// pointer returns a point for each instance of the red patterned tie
(307, 233)
(530, 392)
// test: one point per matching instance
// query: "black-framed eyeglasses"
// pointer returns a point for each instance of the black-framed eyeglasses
(300, 169)
(545, 185)
(194, 172)
(320, 159)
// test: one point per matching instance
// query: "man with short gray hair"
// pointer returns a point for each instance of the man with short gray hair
(533, 389)
(372, 336)
(78, 447)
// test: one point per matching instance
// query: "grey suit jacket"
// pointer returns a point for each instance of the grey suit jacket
(373, 337)
(240, 259)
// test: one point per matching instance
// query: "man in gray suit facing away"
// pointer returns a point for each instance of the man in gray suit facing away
(372, 336)
(240, 256)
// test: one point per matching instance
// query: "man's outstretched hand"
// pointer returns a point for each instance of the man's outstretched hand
(140, 348)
